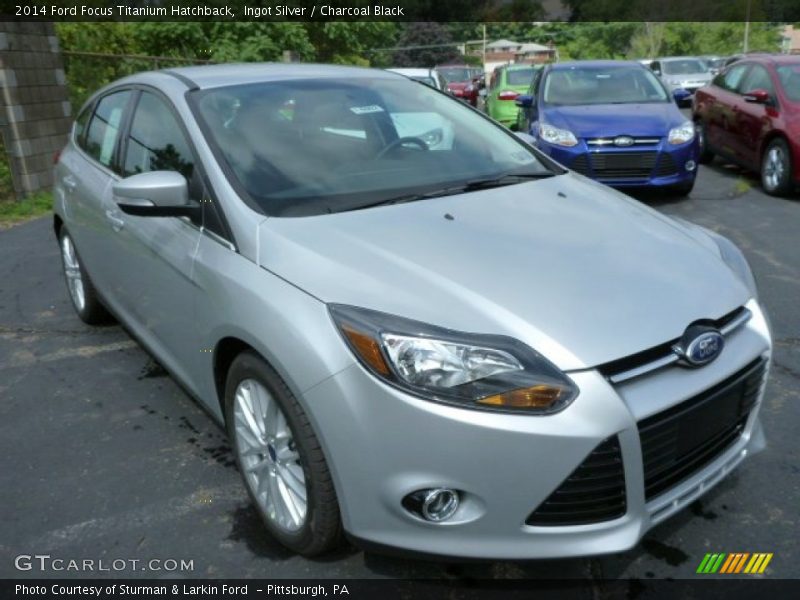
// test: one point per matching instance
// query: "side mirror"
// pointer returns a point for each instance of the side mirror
(525, 101)
(758, 96)
(155, 194)
(657, 71)
(681, 95)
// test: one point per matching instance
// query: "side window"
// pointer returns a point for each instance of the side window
(103, 130)
(80, 125)
(733, 77)
(155, 141)
(758, 79)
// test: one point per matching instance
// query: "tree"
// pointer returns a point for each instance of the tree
(425, 34)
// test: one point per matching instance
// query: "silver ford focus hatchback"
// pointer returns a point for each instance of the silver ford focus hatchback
(417, 329)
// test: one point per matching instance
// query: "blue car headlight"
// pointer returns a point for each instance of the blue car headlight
(559, 137)
(681, 134)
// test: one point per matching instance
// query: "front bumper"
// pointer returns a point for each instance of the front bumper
(382, 444)
(660, 165)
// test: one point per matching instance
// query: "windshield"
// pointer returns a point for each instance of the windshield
(789, 76)
(519, 76)
(301, 147)
(456, 74)
(603, 85)
(426, 80)
(684, 66)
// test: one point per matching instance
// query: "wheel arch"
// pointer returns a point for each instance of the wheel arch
(225, 352)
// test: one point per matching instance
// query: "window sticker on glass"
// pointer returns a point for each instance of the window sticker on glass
(365, 110)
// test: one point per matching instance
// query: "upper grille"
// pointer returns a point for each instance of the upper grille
(642, 362)
(678, 442)
(594, 492)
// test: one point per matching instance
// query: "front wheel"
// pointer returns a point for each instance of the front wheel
(776, 168)
(280, 458)
(705, 154)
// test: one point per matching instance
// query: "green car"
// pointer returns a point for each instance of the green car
(508, 82)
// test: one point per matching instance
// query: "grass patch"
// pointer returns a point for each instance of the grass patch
(13, 212)
(742, 186)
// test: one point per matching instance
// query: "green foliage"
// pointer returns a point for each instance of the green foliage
(425, 34)
(12, 212)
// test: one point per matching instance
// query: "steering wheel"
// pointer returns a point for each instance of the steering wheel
(399, 142)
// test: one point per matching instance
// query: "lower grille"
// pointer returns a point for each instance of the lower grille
(594, 492)
(623, 165)
(678, 442)
(666, 166)
(581, 165)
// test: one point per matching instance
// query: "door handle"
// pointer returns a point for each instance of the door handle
(116, 223)
(69, 183)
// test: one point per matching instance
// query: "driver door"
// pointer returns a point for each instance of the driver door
(154, 256)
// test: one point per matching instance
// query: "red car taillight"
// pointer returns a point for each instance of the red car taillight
(507, 95)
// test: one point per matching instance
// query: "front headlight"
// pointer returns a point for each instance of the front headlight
(682, 134)
(559, 137)
(469, 370)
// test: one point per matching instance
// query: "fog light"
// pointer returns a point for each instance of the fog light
(437, 505)
(691, 165)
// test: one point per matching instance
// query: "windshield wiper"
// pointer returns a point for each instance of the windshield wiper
(469, 186)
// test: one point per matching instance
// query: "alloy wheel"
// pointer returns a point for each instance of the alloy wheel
(72, 271)
(268, 456)
(774, 167)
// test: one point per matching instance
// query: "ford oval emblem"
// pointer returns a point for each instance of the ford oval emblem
(623, 141)
(700, 345)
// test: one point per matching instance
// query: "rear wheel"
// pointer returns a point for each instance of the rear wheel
(81, 291)
(280, 458)
(776, 168)
(705, 155)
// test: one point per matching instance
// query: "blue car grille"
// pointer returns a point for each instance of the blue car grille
(594, 492)
(625, 165)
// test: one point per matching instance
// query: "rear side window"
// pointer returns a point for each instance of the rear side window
(156, 141)
(103, 131)
(731, 78)
(80, 124)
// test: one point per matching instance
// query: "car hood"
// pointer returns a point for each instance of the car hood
(579, 272)
(605, 120)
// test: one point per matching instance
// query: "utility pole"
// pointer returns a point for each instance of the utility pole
(747, 29)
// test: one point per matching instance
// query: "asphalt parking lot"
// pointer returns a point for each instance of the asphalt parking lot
(105, 457)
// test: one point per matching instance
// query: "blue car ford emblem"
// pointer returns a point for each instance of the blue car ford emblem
(699, 345)
(623, 140)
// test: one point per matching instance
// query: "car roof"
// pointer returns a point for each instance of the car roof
(418, 72)
(669, 58)
(777, 59)
(211, 76)
(595, 63)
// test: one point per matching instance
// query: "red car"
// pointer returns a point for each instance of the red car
(462, 81)
(750, 114)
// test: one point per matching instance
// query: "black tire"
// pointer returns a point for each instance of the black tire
(683, 189)
(705, 155)
(92, 312)
(774, 183)
(322, 529)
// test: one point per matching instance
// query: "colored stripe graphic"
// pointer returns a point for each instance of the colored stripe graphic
(735, 562)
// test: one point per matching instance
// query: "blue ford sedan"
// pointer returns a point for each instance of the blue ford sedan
(613, 121)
